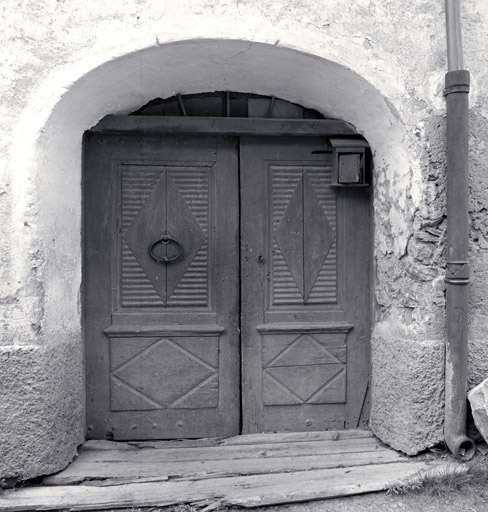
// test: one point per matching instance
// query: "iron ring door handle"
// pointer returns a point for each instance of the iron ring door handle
(166, 240)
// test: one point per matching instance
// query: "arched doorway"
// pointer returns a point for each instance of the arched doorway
(48, 152)
(227, 271)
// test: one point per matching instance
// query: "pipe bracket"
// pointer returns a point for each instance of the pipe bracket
(458, 273)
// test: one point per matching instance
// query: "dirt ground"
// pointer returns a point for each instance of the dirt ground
(382, 502)
(475, 501)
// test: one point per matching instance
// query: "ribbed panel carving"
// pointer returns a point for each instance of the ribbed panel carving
(286, 183)
(137, 184)
(136, 289)
(325, 287)
(193, 186)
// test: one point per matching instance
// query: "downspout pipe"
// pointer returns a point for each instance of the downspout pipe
(457, 271)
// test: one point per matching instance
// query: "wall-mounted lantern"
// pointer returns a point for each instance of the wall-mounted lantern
(349, 162)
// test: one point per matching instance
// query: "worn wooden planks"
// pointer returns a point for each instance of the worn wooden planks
(272, 437)
(291, 437)
(248, 471)
(246, 491)
(102, 444)
(226, 126)
(232, 452)
(82, 471)
(240, 455)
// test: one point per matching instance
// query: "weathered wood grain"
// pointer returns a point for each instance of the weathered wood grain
(246, 491)
(102, 444)
(272, 437)
(80, 471)
(234, 452)
(177, 443)
(226, 126)
(292, 437)
(163, 378)
(306, 247)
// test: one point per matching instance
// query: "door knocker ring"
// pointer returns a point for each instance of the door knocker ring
(166, 240)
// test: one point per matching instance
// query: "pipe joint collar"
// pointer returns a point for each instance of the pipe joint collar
(457, 81)
(457, 272)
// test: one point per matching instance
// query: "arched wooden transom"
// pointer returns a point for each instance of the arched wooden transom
(227, 104)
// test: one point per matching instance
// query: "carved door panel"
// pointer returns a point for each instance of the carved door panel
(305, 290)
(161, 286)
(165, 286)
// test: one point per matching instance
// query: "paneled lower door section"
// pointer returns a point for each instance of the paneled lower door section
(210, 280)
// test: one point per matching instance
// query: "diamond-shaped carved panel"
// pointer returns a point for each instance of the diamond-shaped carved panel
(303, 370)
(304, 351)
(164, 372)
(165, 212)
(289, 236)
(276, 393)
(304, 381)
(318, 236)
(304, 236)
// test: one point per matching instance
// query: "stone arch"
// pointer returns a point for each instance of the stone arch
(122, 85)
(50, 161)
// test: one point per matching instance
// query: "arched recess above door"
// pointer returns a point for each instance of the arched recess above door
(230, 113)
(237, 113)
(227, 104)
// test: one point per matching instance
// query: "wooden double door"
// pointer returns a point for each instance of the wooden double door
(227, 287)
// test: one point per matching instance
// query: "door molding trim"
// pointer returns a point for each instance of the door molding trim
(223, 126)
(305, 327)
(123, 331)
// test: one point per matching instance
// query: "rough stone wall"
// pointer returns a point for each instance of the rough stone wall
(39, 413)
(51, 48)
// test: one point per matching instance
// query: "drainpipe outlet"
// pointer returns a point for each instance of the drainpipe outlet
(462, 447)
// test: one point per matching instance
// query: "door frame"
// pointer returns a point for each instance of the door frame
(166, 125)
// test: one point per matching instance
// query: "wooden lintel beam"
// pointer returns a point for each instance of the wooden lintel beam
(223, 125)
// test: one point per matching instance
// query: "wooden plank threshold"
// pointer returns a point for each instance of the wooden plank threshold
(298, 467)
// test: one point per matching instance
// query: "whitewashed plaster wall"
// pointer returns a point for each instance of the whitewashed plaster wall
(375, 64)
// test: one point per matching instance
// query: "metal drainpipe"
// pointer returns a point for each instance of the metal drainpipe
(457, 271)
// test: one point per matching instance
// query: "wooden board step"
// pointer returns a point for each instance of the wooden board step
(81, 471)
(246, 491)
(273, 437)
(293, 437)
(100, 444)
(254, 451)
